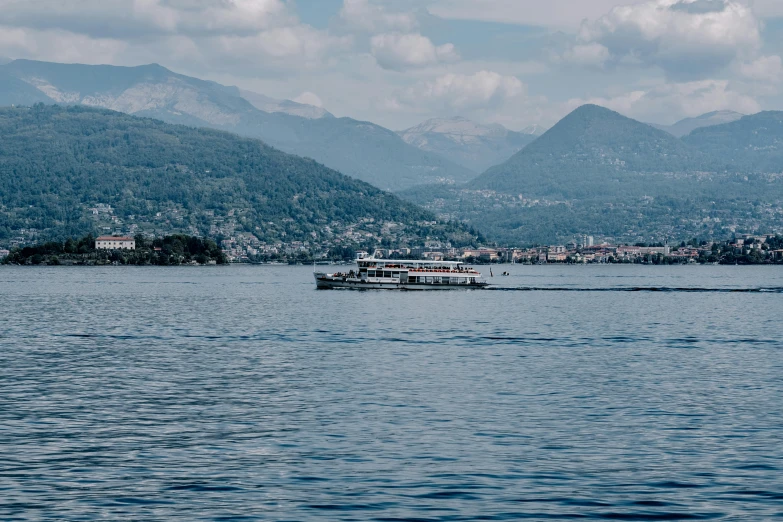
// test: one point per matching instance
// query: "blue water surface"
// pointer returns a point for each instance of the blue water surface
(242, 393)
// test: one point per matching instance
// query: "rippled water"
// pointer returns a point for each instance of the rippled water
(242, 393)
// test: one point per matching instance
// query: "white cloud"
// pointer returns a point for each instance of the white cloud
(309, 98)
(254, 35)
(768, 8)
(59, 46)
(686, 38)
(361, 15)
(484, 96)
(125, 18)
(762, 77)
(397, 51)
(674, 101)
(591, 54)
(300, 42)
(552, 13)
(764, 69)
(458, 91)
(564, 14)
(378, 59)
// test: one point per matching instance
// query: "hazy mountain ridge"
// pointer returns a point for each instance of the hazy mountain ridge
(62, 167)
(14, 91)
(534, 130)
(267, 104)
(372, 153)
(469, 143)
(688, 125)
(751, 144)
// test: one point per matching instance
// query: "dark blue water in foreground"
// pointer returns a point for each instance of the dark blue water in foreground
(242, 393)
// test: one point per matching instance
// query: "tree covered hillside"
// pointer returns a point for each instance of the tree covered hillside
(590, 152)
(752, 144)
(62, 168)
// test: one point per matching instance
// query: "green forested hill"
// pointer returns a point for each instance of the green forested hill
(62, 167)
(752, 144)
(591, 151)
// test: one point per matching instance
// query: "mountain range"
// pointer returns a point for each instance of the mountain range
(69, 170)
(267, 104)
(442, 150)
(599, 173)
(688, 125)
(595, 172)
(358, 149)
(473, 145)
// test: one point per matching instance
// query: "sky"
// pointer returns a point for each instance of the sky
(400, 62)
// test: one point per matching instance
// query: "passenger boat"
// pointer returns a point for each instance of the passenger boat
(395, 274)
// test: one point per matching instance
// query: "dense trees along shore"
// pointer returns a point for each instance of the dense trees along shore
(178, 249)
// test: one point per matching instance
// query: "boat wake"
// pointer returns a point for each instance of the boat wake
(774, 290)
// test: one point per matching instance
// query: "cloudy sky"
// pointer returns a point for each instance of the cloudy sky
(399, 62)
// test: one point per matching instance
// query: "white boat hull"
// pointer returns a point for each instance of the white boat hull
(324, 281)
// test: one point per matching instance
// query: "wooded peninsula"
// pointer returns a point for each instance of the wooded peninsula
(177, 249)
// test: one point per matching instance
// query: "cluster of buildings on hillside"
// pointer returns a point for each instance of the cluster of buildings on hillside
(584, 253)
(247, 247)
(547, 254)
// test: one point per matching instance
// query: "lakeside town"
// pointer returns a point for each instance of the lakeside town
(183, 249)
(748, 249)
(338, 241)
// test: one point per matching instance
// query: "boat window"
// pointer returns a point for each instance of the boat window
(387, 274)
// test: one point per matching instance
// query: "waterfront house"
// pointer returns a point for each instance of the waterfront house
(115, 243)
(556, 257)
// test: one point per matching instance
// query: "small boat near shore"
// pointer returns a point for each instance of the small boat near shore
(394, 274)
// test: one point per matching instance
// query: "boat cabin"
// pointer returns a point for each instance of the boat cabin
(416, 272)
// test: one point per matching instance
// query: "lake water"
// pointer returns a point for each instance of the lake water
(242, 393)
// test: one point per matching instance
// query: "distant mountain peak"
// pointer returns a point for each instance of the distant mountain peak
(458, 126)
(475, 145)
(587, 116)
(590, 139)
(720, 113)
(688, 125)
(267, 104)
(533, 130)
(590, 110)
